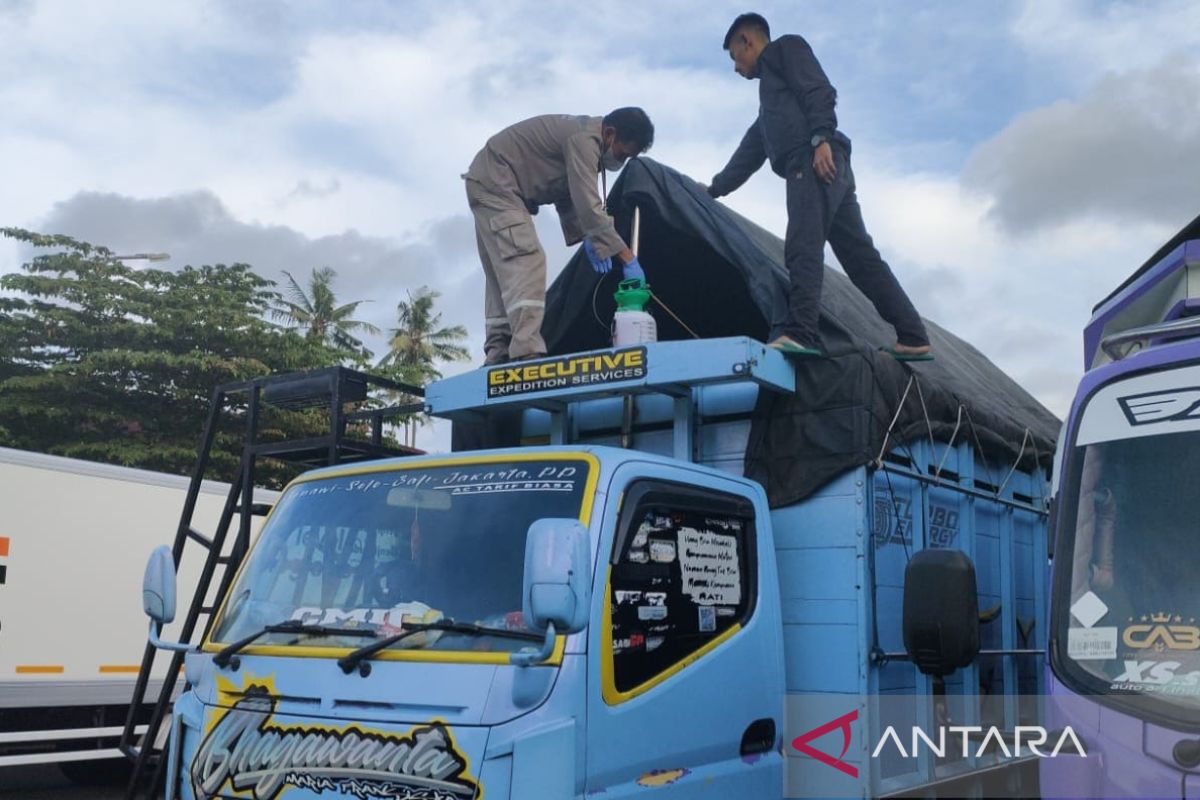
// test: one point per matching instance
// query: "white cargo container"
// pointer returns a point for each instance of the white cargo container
(74, 536)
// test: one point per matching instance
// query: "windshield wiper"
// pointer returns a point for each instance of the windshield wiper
(359, 657)
(226, 655)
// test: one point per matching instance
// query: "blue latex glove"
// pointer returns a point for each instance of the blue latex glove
(601, 265)
(634, 270)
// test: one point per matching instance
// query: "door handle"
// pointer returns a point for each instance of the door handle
(759, 737)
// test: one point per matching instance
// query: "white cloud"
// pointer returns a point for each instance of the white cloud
(1084, 40)
(301, 136)
(1125, 150)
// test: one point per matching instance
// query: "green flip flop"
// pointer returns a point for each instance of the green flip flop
(790, 349)
(907, 356)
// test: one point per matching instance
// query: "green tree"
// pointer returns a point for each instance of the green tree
(317, 313)
(419, 344)
(102, 361)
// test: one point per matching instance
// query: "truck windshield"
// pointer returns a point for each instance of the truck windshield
(1130, 626)
(416, 544)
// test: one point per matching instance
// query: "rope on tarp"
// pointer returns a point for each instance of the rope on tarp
(1016, 463)
(1027, 440)
(937, 473)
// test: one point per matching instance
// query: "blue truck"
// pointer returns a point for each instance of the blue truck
(692, 568)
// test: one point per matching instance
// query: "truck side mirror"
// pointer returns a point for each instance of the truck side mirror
(556, 594)
(158, 586)
(941, 611)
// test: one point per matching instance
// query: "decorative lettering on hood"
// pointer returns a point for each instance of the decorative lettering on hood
(249, 753)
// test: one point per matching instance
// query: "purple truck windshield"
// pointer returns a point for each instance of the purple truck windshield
(1132, 624)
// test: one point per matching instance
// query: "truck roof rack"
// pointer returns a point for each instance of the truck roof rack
(355, 406)
(1124, 343)
(554, 385)
(1164, 289)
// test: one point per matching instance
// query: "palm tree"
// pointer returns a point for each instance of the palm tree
(419, 344)
(318, 314)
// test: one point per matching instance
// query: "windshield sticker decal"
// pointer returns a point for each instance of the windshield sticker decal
(1092, 644)
(568, 372)
(393, 617)
(709, 564)
(1161, 632)
(627, 598)
(546, 479)
(708, 619)
(541, 478)
(247, 751)
(1156, 677)
(634, 641)
(643, 532)
(1089, 609)
(652, 613)
(662, 552)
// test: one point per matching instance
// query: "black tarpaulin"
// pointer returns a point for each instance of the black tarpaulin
(724, 276)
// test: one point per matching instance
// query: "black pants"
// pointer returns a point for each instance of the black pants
(818, 212)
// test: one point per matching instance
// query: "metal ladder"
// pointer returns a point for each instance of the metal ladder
(331, 389)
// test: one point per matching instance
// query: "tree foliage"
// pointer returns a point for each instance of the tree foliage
(317, 313)
(418, 345)
(103, 361)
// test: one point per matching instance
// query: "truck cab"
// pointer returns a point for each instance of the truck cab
(1125, 642)
(667, 567)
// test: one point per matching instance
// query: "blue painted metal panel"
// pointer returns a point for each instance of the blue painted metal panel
(669, 732)
(543, 761)
(890, 515)
(822, 658)
(671, 364)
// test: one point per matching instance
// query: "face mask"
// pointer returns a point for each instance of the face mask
(611, 162)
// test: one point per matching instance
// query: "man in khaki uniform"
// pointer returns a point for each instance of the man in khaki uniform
(544, 160)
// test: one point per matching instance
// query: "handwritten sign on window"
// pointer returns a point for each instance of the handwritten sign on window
(709, 566)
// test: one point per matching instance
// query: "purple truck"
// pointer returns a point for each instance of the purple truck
(1124, 651)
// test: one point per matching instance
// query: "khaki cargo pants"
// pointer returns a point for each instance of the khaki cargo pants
(514, 270)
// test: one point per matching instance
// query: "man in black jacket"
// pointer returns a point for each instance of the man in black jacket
(796, 130)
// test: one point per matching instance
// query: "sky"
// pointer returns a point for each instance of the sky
(1014, 160)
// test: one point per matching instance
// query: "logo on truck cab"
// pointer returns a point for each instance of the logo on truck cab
(568, 372)
(1170, 405)
(247, 751)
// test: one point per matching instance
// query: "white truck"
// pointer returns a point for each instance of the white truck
(72, 539)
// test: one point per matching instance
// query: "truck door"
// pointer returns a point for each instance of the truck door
(686, 672)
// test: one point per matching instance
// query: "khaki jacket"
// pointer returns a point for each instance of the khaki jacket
(552, 159)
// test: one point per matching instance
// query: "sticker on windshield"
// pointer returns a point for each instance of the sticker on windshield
(1092, 644)
(1156, 677)
(662, 552)
(427, 488)
(360, 617)
(1089, 609)
(708, 563)
(1161, 632)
